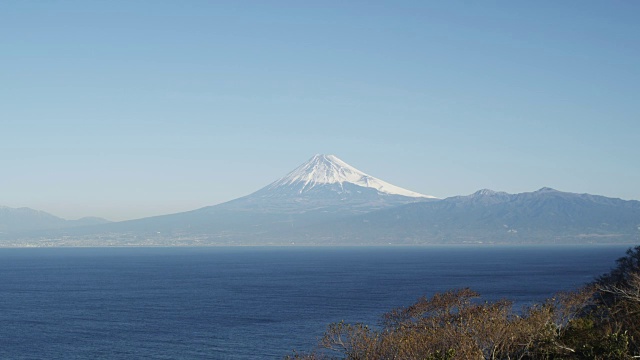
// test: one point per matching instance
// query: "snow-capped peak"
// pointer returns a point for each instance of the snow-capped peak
(328, 169)
(484, 192)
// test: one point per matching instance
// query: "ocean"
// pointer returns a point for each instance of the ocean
(249, 302)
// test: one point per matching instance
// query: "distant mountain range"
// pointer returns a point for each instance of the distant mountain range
(15, 220)
(543, 216)
(325, 201)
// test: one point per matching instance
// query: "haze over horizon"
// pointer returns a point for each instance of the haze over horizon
(126, 110)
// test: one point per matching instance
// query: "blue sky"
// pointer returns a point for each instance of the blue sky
(126, 109)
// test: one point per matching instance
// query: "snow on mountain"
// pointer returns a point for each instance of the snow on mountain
(329, 169)
(484, 192)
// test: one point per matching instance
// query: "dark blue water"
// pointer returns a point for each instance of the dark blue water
(247, 303)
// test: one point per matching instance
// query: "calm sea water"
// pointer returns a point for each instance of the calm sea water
(248, 303)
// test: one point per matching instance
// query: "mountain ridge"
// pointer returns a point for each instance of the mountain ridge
(20, 219)
(329, 169)
(542, 216)
(323, 188)
(325, 201)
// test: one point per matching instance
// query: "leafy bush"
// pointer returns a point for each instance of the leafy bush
(600, 321)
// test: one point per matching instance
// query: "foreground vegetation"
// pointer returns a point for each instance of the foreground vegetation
(599, 321)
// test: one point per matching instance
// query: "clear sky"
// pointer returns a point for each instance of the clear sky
(126, 109)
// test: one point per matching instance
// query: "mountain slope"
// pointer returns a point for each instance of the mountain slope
(324, 185)
(328, 202)
(14, 220)
(543, 216)
(322, 170)
(323, 188)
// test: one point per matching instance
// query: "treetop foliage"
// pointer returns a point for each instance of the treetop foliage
(598, 321)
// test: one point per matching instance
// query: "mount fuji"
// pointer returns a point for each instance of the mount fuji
(321, 190)
(326, 201)
(325, 184)
(333, 174)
